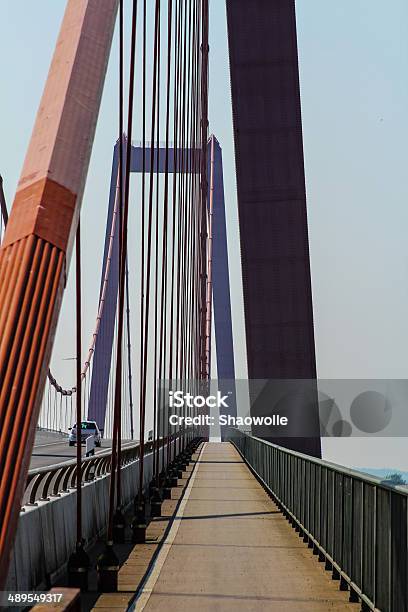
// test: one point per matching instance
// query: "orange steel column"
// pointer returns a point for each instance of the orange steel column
(36, 249)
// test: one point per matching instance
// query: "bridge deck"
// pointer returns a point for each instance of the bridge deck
(231, 549)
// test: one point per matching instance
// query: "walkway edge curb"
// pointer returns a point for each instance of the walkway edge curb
(152, 576)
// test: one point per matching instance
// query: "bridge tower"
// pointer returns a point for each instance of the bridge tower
(219, 288)
(272, 201)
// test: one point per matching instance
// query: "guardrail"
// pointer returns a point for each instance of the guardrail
(356, 524)
(50, 481)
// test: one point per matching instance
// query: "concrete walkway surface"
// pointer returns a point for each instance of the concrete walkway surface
(230, 549)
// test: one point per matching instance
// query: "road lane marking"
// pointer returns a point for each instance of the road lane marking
(50, 444)
(152, 577)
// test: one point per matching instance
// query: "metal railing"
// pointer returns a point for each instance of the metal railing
(356, 524)
(50, 481)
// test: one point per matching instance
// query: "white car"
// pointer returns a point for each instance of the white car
(88, 428)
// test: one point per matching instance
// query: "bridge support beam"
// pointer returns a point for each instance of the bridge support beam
(37, 245)
(219, 291)
(109, 292)
(272, 202)
(220, 279)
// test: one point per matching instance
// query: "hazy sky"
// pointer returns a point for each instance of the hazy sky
(353, 63)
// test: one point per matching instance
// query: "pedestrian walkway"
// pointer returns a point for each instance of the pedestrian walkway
(230, 548)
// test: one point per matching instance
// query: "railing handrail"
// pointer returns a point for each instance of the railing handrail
(56, 466)
(356, 524)
(369, 478)
(40, 480)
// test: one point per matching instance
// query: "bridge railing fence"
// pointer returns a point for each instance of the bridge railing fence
(47, 482)
(355, 524)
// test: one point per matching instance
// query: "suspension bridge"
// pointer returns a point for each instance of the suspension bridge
(160, 516)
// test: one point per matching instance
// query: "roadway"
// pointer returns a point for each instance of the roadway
(51, 448)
